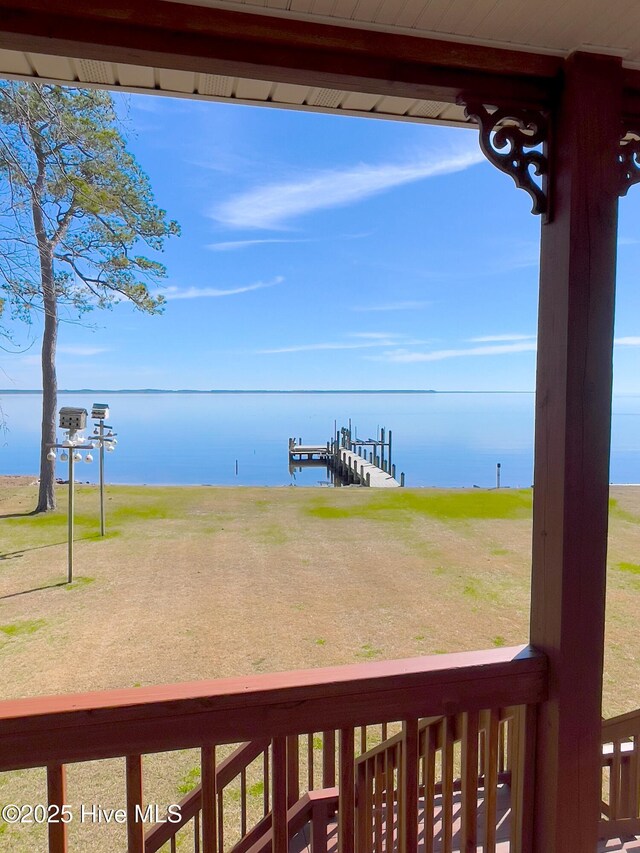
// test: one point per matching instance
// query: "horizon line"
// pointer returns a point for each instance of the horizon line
(8, 391)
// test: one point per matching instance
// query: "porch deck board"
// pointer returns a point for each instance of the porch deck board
(301, 843)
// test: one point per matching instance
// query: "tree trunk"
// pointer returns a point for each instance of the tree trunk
(47, 495)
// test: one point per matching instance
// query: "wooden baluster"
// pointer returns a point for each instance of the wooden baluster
(398, 794)
(378, 801)
(389, 784)
(635, 777)
(319, 824)
(310, 757)
(469, 829)
(135, 826)
(614, 786)
(293, 770)
(630, 784)
(408, 817)
(279, 795)
(363, 739)
(221, 820)
(328, 759)
(196, 833)
(362, 795)
(429, 777)
(522, 779)
(346, 807)
(56, 796)
(243, 802)
(172, 845)
(625, 785)
(210, 802)
(502, 756)
(368, 805)
(267, 788)
(384, 728)
(447, 783)
(510, 746)
(490, 772)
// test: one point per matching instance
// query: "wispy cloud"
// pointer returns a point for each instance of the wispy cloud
(404, 356)
(383, 336)
(273, 205)
(407, 305)
(81, 350)
(486, 339)
(214, 292)
(629, 341)
(366, 340)
(234, 245)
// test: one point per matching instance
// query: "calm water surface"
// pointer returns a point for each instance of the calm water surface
(438, 439)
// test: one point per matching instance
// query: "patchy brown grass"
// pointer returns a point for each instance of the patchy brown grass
(195, 583)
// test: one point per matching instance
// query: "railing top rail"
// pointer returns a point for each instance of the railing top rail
(623, 726)
(43, 730)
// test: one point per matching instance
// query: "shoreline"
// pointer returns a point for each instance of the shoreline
(32, 480)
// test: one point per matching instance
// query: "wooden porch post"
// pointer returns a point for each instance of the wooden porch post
(573, 417)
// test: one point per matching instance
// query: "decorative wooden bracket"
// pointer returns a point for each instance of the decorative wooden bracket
(629, 159)
(524, 129)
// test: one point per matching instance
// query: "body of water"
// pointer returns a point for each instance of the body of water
(443, 439)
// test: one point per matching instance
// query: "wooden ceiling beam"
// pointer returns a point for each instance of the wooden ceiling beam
(240, 44)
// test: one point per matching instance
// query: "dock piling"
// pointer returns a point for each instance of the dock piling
(362, 461)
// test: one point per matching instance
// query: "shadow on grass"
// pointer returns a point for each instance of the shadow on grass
(11, 555)
(19, 514)
(35, 589)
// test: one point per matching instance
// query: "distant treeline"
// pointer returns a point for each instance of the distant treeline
(221, 391)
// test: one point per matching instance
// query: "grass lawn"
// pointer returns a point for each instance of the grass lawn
(206, 582)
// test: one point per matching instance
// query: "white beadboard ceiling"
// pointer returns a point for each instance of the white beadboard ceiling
(187, 84)
(545, 26)
(555, 27)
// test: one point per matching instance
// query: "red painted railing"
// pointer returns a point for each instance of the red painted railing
(621, 776)
(471, 687)
(234, 767)
(452, 800)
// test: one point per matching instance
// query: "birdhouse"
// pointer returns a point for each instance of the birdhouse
(100, 411)
(73, 418)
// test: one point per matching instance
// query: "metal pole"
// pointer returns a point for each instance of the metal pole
(102, 524)
(498, 475)
(70, 520)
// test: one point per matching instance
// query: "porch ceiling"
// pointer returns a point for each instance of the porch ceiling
(541, 26)
(545, 27)
(214, 87)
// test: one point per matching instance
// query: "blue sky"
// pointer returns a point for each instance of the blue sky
(327, 252)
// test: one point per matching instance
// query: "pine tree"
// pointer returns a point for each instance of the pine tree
(77, 213)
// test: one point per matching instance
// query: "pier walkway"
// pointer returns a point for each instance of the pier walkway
(363, 472)
(354, 461)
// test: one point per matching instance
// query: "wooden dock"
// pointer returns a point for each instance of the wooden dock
(362, 472)
(298, 452)
(349, 463)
